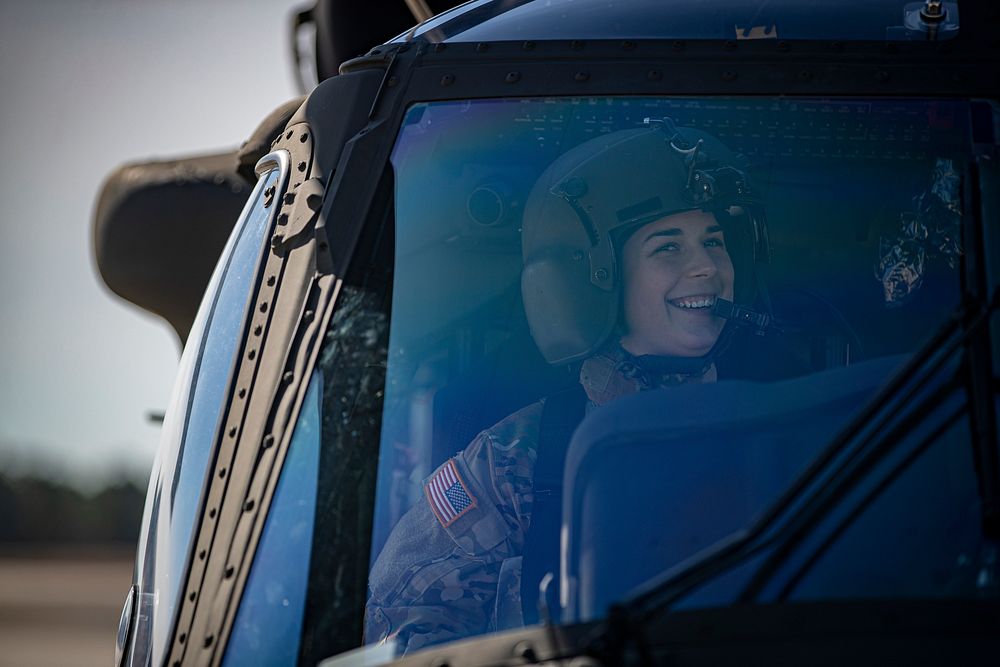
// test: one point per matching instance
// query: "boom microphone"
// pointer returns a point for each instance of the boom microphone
(762, 322)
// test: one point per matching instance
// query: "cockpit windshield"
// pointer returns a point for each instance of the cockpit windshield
(592, 338)
(757, 265)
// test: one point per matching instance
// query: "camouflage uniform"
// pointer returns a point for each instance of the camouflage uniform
(453, 574)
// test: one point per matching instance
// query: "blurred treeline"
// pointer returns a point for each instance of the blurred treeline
(35, 511)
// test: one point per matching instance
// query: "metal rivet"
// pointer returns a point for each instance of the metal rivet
(601, 274)
(212, 513)
(263, 306)
(308, 316)
(232, 432)
(192, 595)
(252, 354)
(230, 571)
(289, 197)
(283, 219)
(243, 393)
(270, 281)
(182, 638)
(528, 46)
(289, 135)
(581, 76)
(304, 137)
(654, 75)
(201, 555)
(729, 75)
(222, 472)
(288, 377)
(512, 77)
(302, 166)
(268, 441)
(277, 240)
(257, 330)
(314, 202)
(447, 79)
(248, 506)
(208, 640)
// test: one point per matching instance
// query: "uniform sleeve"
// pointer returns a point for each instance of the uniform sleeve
(436, 578)
(426, 590)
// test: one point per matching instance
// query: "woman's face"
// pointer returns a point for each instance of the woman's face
(674, 269)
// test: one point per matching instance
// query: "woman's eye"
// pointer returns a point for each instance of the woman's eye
(714, 243)
(668, 247)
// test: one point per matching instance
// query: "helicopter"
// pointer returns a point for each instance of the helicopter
(438, 236)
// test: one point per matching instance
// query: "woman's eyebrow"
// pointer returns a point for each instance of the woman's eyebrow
(713, 229)
(673, 231)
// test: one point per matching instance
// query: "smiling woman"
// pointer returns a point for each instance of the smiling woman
(674, 270)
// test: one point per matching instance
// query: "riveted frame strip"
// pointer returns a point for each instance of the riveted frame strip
(241, 439)
(323, 294)
(296, 277)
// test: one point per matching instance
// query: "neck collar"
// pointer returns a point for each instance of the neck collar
(614, 372)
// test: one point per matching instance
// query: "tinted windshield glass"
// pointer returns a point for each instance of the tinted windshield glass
(750, 266)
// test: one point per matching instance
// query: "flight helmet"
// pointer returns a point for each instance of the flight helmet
(587, 203)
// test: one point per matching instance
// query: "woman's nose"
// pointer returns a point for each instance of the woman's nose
(702, 264)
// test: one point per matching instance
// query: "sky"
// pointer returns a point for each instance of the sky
(86, 85)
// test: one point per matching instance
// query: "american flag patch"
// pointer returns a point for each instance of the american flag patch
(448, 495)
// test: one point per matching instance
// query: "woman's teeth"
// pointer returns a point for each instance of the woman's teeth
(694, 302)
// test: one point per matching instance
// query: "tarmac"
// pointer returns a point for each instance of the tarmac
(61, 607)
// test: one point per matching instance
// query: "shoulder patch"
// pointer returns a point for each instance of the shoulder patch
(448, 494)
